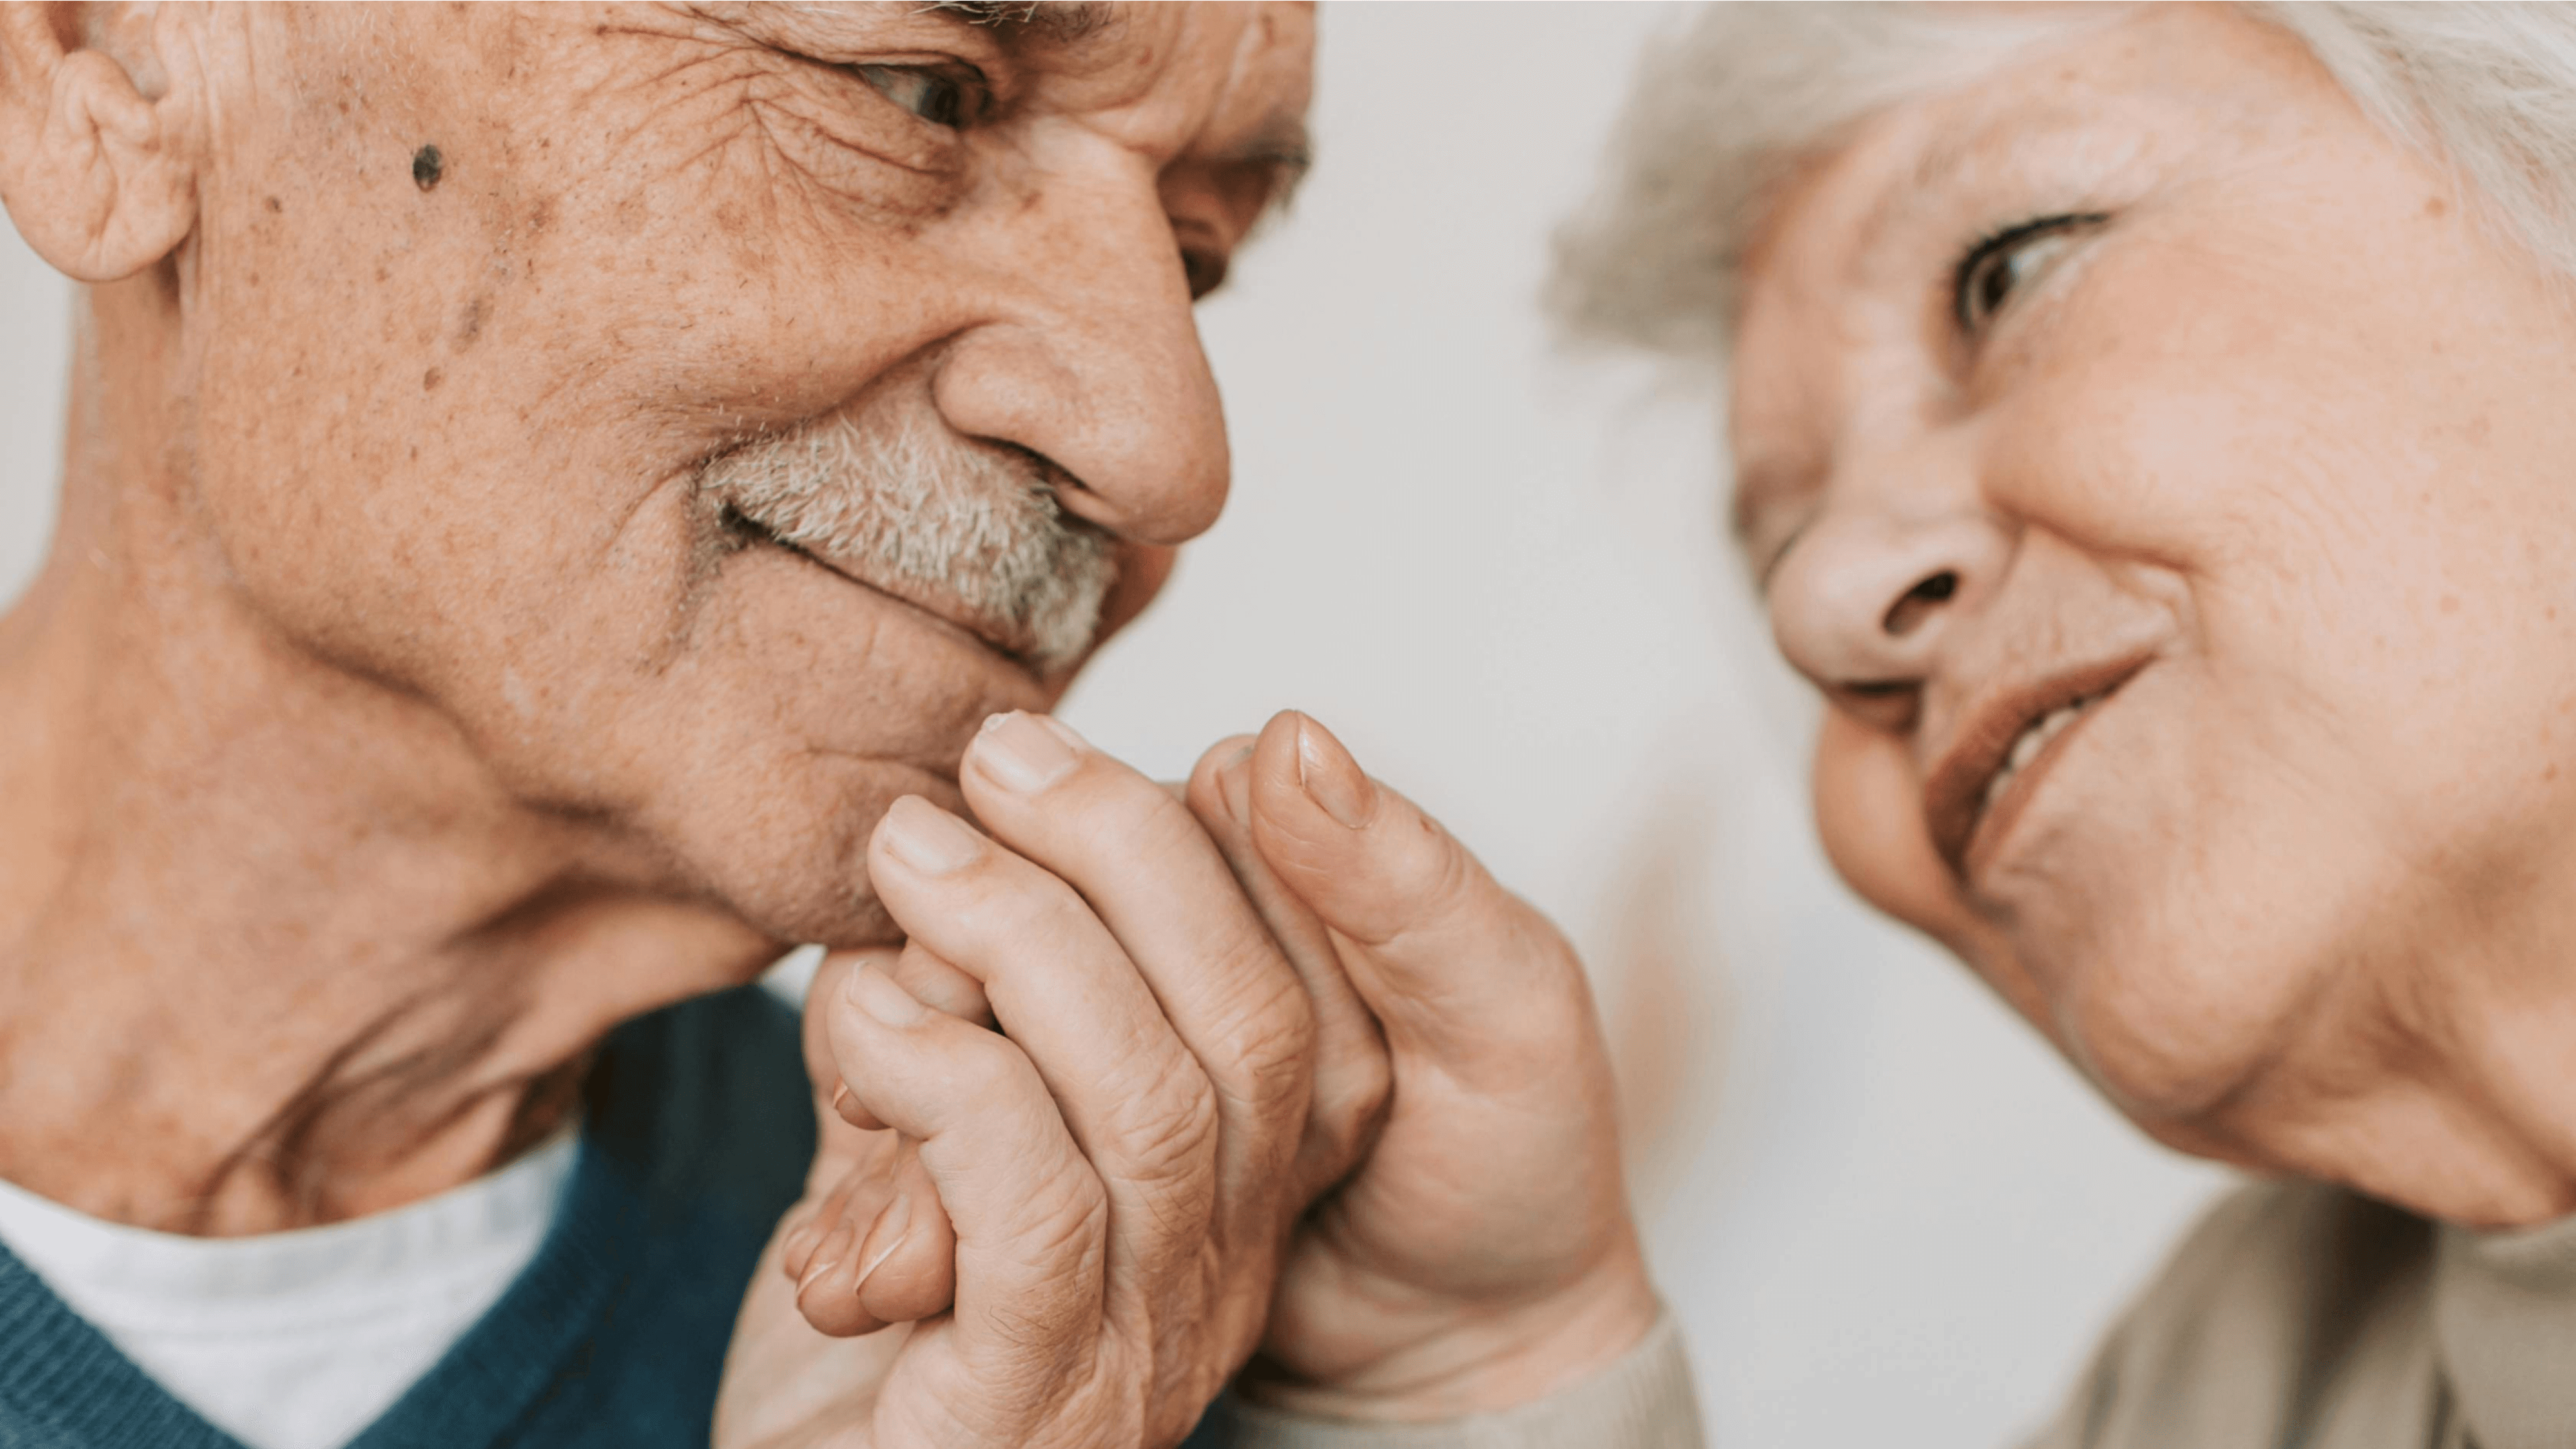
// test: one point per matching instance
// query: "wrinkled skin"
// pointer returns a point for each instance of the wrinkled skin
(2279, 440)
(380, 579)
(1083, 1218)
(387, 658)
(2261, 453)
(1471, 1248)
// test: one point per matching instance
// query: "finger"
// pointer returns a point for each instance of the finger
(1349, 1091)
(841, 1141)
(888, 1257)
(1439, 951)
(935, 984)
(941, 986)
(1142, 862)
(1029, 1214)
(1136, 1101)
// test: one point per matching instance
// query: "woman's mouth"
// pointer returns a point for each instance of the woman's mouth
(1986, 777)
(2026, 747)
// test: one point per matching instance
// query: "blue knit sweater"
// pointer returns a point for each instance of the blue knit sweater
(697, 1132)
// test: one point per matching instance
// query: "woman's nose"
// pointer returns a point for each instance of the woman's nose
(1863, 600)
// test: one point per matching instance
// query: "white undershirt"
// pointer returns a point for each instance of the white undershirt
(297, 1340)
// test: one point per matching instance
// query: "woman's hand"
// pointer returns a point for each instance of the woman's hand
(1111, 1183)
(1482, 1255)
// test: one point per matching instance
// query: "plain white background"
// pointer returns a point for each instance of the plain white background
(1885, 1213)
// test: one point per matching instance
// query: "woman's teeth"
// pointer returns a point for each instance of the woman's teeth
(2027, 746)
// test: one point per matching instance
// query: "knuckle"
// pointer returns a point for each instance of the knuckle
(1437, 885)
(1064, 1222)
(1138, 819)
(987, 1074)
(1349, 1107)
(1167, 1130)
(1262, 1056)
(1014, 905)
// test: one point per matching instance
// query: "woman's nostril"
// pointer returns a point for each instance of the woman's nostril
(1908, 612)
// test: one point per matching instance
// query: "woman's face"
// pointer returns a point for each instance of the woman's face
(2173, 490)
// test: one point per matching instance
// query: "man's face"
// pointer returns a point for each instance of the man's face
(738, 403)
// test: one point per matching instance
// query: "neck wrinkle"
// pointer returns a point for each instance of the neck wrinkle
(275, 948)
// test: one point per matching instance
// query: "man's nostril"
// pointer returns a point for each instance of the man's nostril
(1908, 612)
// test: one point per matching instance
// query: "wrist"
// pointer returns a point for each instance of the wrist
(1482, 1357)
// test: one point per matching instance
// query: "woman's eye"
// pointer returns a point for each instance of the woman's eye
(2007, 262)
(941, 100)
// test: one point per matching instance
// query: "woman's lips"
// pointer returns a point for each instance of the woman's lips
(1986, 779)
(2003, 806)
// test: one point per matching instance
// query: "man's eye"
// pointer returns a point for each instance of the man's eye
(2006, 262)
(939, 99)
(1205, 272)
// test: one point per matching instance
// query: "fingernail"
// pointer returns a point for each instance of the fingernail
(842, 1103)
(875, 993)
(1332, 778)
(1025, 753)
(927, 838)
(885, 1237)
(1234, 782)
(826, 1257)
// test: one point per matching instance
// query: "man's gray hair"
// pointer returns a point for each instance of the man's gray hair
(1730, 106)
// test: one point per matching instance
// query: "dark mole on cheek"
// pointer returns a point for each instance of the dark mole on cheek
(430, 380)
(274, 205)
(426, 167)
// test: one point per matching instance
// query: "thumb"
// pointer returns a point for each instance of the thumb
(1451, 963)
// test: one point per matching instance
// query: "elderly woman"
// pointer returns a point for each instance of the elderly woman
(2152, 438)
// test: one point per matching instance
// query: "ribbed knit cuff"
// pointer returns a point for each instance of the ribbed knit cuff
(1643, 1401)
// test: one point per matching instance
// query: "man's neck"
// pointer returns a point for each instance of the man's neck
(274, 949)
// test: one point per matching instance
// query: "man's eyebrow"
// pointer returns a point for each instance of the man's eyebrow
(1060, 22)
(1282, 144)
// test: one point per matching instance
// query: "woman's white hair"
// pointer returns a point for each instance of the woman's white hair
(1731, 104)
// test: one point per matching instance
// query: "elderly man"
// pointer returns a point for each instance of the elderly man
(540, 483)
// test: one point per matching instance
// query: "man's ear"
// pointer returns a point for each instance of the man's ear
(99, 176)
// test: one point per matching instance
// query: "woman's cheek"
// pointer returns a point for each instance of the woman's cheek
(1869, 815)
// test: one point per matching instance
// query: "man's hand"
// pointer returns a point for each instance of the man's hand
(1482, 1256)
(1112, 1181)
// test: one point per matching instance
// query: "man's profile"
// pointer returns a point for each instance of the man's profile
(541, 482)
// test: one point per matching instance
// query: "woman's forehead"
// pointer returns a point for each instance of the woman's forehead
(2094, 121)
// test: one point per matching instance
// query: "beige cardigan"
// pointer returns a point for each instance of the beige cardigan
(2294, 1315)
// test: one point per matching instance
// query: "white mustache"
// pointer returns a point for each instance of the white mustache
(904, 507)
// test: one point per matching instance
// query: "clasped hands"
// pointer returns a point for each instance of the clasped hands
(1267, 1070)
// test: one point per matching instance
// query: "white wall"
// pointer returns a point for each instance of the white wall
(1886, 1214)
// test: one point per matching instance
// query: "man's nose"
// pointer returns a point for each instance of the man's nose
(1864, 599)
(1094, 363)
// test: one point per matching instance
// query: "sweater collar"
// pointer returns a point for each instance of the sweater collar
(2504, 1317)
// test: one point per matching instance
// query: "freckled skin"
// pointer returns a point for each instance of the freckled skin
(2291, 429)
(385, 654)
